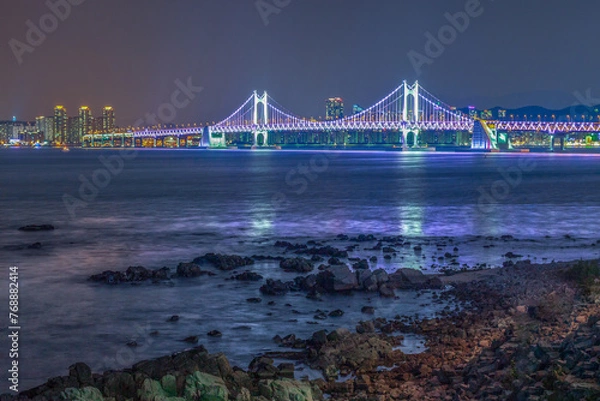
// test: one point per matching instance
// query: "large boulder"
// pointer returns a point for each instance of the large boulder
(82, 373)
(338, 278)
(287, 390)
(408, 279)
(165, 390)
(82, 394)
(204, 387)
(118, 384)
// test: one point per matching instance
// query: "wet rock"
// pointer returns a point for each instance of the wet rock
(224, 262)
(511, 255)
(316, 259)
(337, 278)
(82, 394)
(362, 264)
(165, 389)
(314, 295)
(336, 313)
(205, 387)
(82, 373)
(364, 238)
(119, 384)
(335, 261)
(33, 228)
(328, 251)
(108, 277)
(369, 310)
(372, 281)
(275, 287)
(289, 246)
(173, 318)
(386, 291)
(297, 265)
(133, 274)
(408, 278)
(191, 339)
(365, 327)
(189, 270)
(254, 300)
(319, 338)
(286, 370)
(214, 333)
(366, 281)
(248, 276)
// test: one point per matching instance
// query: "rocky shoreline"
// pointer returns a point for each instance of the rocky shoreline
(522, 332)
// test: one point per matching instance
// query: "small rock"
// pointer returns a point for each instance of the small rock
(43, 227)
(191, 339)
(369, 310)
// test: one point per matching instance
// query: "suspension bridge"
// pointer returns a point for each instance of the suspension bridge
(407, 110)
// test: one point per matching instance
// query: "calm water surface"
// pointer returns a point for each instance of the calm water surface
(165, 207)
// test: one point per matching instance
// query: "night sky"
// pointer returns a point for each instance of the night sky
(128, 54)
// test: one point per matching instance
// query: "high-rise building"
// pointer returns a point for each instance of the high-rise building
(473, 112)
(334, 108)
(86, 122)
(108, 120)
(73, 130)
(60, 125)
(45, 125)
(487, 115)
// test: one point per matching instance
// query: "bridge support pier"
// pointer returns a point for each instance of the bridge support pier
(217, 140)
(405, 133)
(265, 135)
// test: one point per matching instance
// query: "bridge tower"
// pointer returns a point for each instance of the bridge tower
(414, 118)
(264, 101)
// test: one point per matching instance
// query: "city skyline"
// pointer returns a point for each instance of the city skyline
(137, 79)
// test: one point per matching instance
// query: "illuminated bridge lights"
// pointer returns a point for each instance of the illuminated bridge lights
(408, 109)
